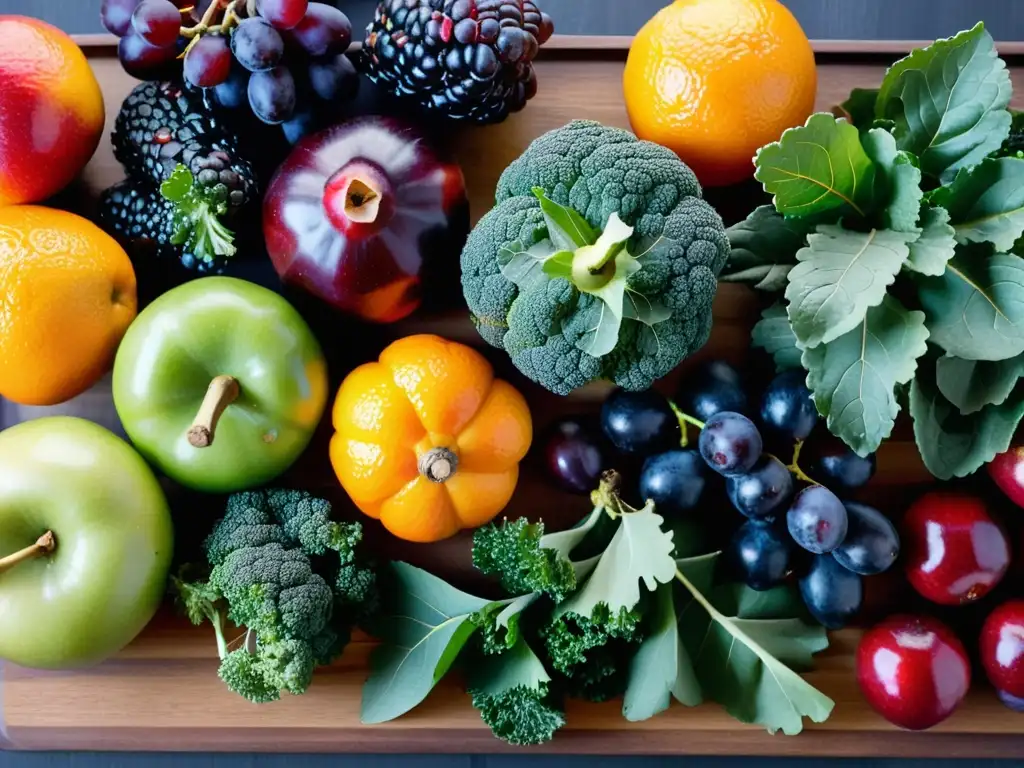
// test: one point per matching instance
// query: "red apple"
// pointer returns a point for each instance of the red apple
(913, 671)
(1007, 470)
(1002, 652)
(955, 553)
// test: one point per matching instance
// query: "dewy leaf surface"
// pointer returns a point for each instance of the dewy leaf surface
(423, 625)
(975, 308)
(930, 253)
(840, 275)
(774, 335)
(853, 378)
(897, 181)
(816, 167)
(948, 102)
(970, 385)
(986, 202)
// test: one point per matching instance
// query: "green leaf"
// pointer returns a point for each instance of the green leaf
(700, 569)
(975, 308)
(661, 667)
(774, 335)
(897, 181)
(970, 385)
(930, 253)
(178, 185)
(745, 664)
(853, 378)
(986, 202)
(423, 624)
(564, 542)
(763, 249)
(859, 108)
(519, 666)
(559, 265)
(639, 551)
(955, 445)
(820, 166)
(527, 267)
(840, 275)
(603, 310)
(948, 102)
(566, 228)
(782, 602)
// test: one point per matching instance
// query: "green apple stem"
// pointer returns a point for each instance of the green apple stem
(44, 545)
(438, 464)
(222, 392)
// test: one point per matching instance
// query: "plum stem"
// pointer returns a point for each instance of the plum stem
(438, 464)
(44, 545)
(221, 393)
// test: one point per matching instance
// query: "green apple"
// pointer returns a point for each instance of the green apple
(220, 384)
(85, 543)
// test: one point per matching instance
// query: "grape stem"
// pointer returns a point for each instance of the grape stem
(794, 465)
(685, 420)
(207, 26)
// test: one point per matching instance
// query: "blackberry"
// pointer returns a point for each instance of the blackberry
(466, 59)
(164, 128)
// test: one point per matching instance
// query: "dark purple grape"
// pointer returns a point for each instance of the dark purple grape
(639, 423)
(142, 60)
(832, 594)
(257, 45)
(283, 14)
(208, 62)
(787, 408)
(272, 95)
(1016, 703)
(759, 555)
(158, 22)
(714, 387)
(833, 463)
(761, 492)
(116, 15)
(574, 456)
(323, 30)
(233, 93)
(817, 520)
(872, 543)
(334, 78)
(299, 127)
(730, 443)
(673, 480)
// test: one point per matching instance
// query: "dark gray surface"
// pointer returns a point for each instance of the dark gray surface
(822, 19)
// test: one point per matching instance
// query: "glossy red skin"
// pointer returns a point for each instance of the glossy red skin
(1007, 470)
(1002, 648)
(954, 552)
(913, 671)
(373, 272)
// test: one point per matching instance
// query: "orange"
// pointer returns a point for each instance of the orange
(427, 440)
(714, 80)
(51, 110)
(67, 295)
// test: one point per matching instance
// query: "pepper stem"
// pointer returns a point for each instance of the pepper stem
(438, 464)
(44, 545)
(222, 392)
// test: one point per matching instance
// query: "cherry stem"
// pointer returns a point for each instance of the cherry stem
(685, 420)
(438, 464)
(794, 465)
(44, 545)
(221, 393)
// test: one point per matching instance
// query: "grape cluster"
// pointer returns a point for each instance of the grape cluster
(283, 59)
(794, 525)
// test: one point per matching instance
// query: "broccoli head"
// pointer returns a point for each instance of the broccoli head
(512, 552)
(547, 301)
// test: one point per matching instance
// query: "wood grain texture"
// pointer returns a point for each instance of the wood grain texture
(162, 692)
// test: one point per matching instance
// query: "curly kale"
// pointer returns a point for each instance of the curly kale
(570, 638)
(512, 551)
(295, 579)
(545, 319)
(520, 715)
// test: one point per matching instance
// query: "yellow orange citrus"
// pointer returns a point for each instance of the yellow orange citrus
(67, 295)
(714, 80)
(51, 110)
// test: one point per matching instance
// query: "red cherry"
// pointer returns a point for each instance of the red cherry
(955, 553)
(1002, 651)
(1007, 470)
(913, 671)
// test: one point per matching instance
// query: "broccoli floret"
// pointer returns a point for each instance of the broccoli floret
(307, 523)
(512, 552)
(597, 171)
(520, 715)
(243, 673)
(570, 638)
(248, 522)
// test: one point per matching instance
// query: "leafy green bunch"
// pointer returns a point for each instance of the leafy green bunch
(896, 237)
(605, 609)
(295, 579)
